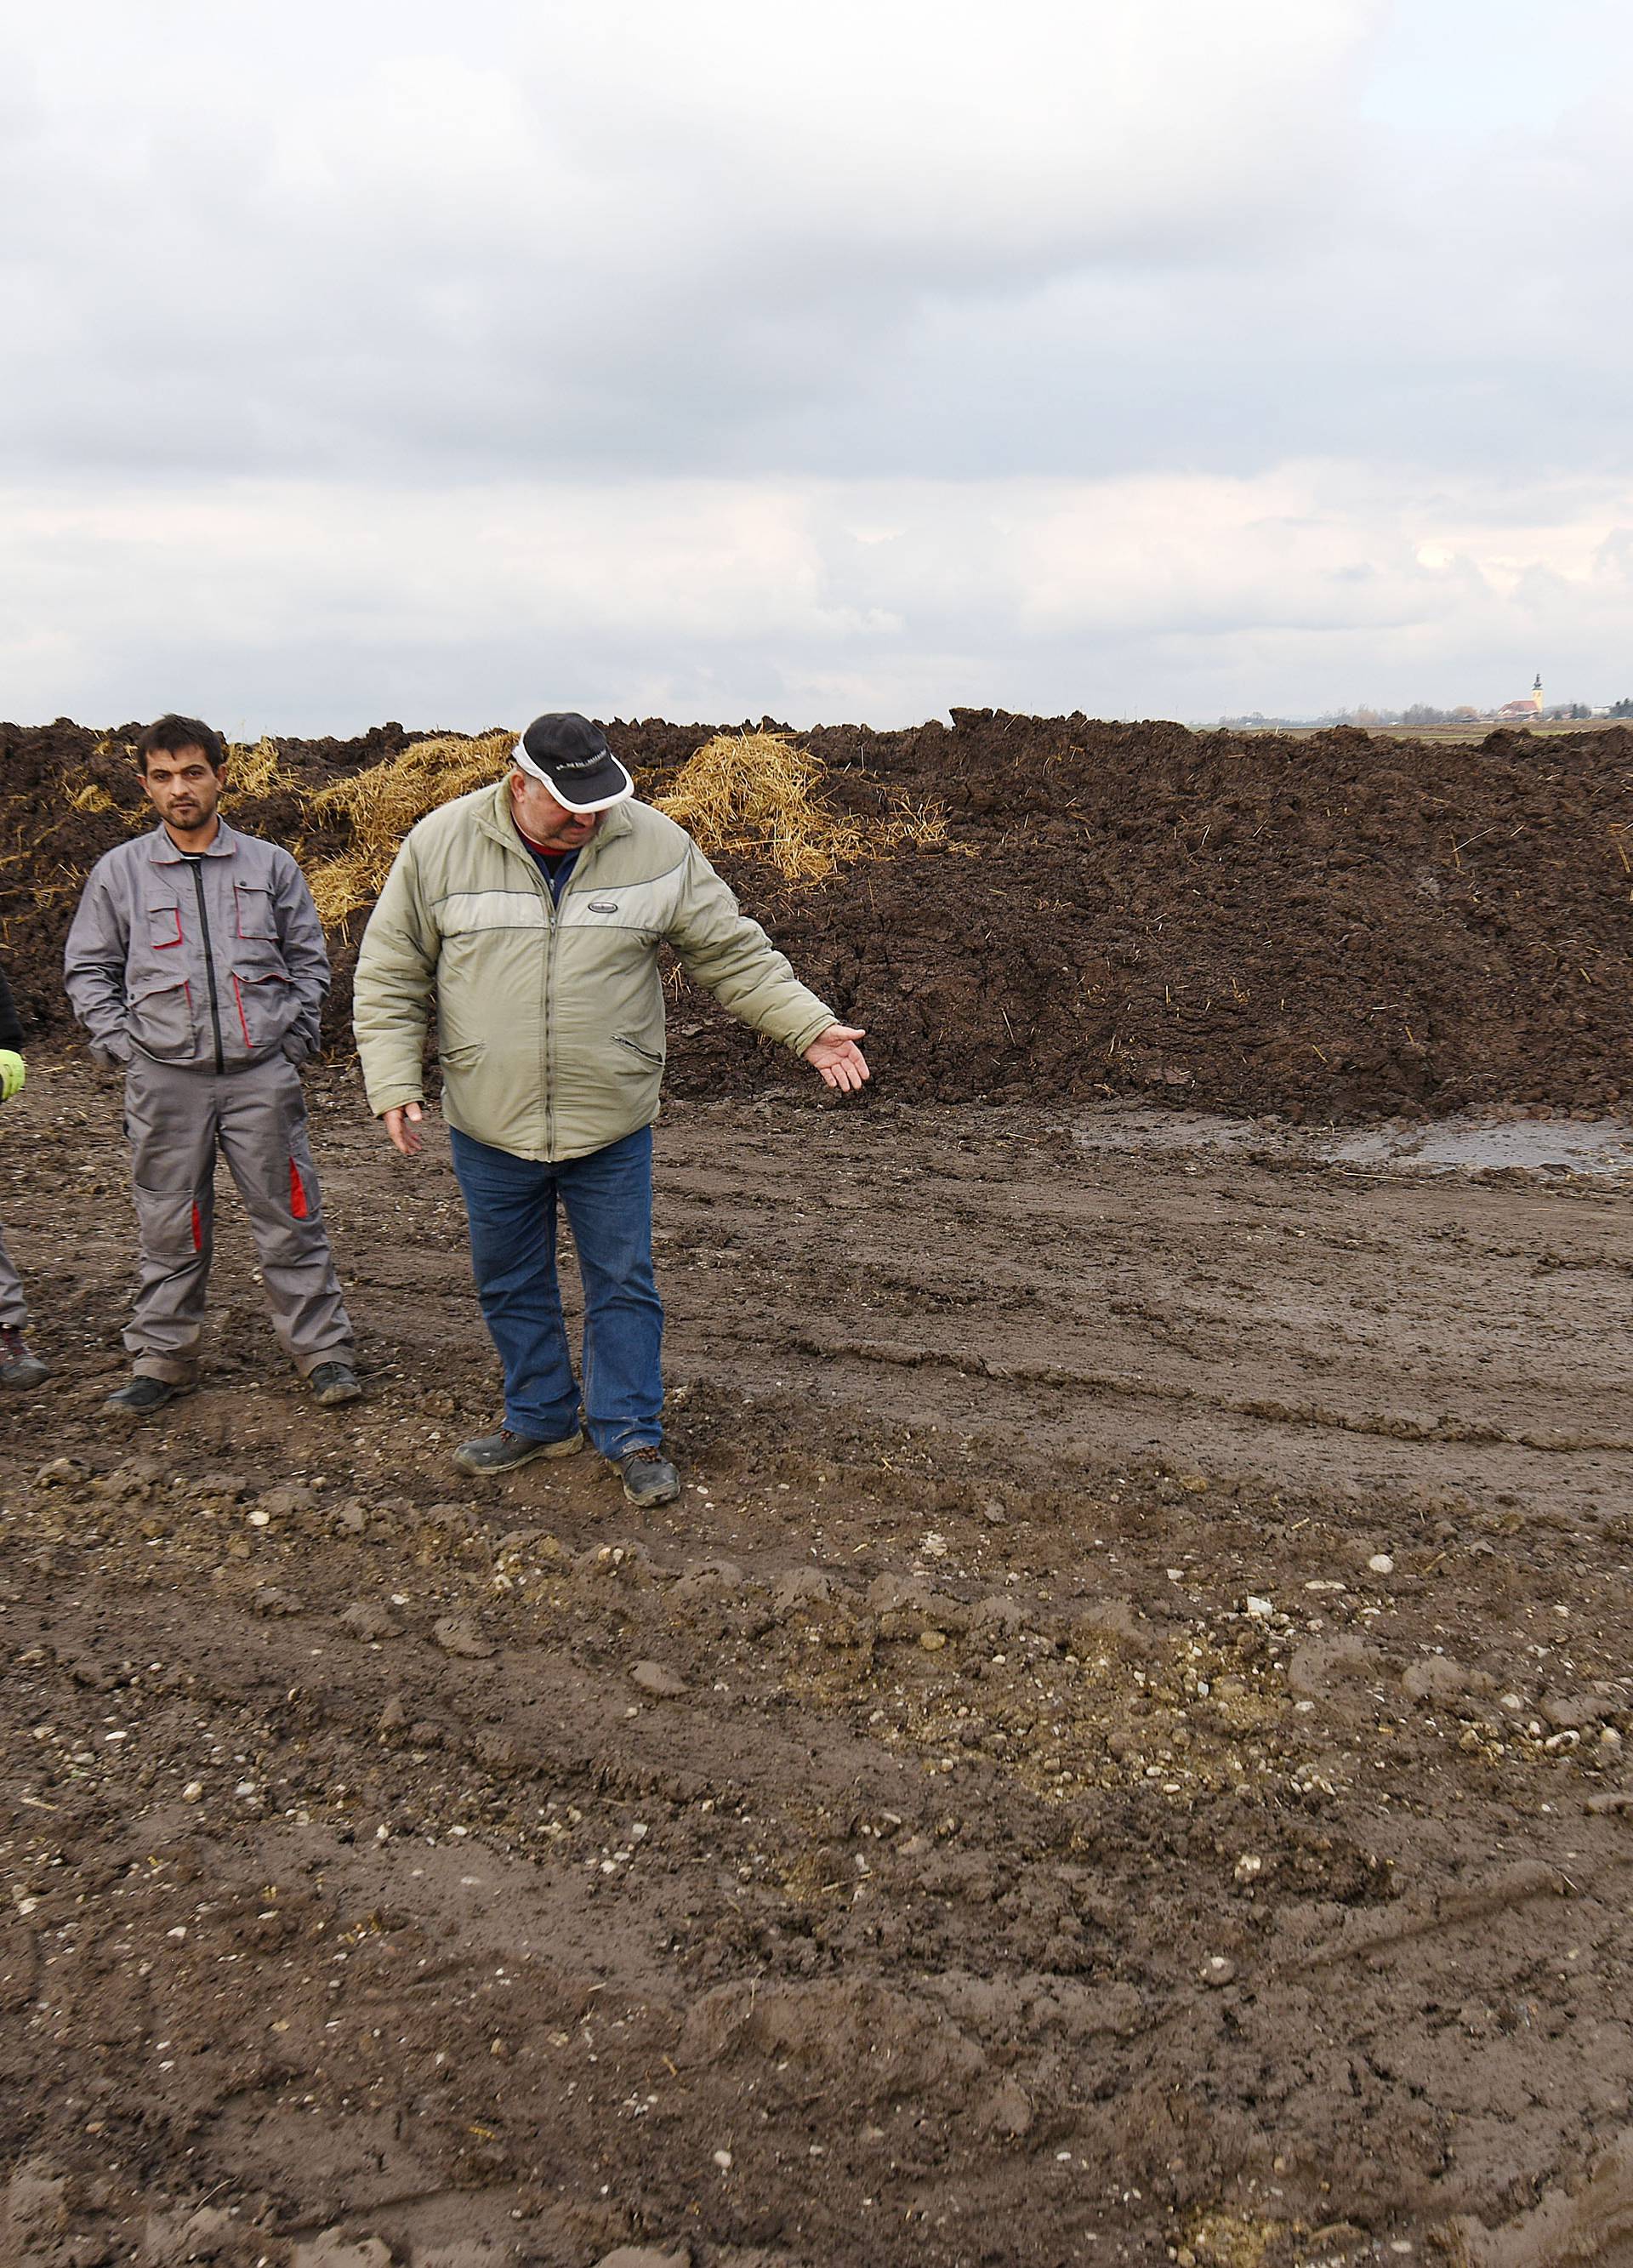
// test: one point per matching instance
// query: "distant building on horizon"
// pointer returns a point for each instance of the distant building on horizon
(1524, 711)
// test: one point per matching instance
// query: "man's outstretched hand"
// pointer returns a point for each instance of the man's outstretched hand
(836, 1054)
(403, 1126)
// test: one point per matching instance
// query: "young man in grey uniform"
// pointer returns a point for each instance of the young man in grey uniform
(19, 1365)
(196, 962)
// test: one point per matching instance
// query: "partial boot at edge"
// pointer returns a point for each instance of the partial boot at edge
(19, 1366)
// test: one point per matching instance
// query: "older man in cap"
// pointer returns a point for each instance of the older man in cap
(534, 911)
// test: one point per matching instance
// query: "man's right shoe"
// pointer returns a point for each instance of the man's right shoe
(19, 1365)
(334, 1382)
(142, 1396)
(503, 1452)
(648, 1476)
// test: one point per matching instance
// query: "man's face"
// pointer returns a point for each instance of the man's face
(544, 820)
(183, 787)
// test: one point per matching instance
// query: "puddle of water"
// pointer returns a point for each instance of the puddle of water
(1596, 1145)
(1600, 1148)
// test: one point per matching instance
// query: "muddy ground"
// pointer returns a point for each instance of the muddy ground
(1118, 1755)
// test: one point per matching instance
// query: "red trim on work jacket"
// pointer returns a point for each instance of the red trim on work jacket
(163, 943)
(243, 1020)
(297, 1193)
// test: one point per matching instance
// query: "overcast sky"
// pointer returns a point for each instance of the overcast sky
(449, 364)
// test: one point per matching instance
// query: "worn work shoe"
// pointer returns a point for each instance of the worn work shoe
(142, 1396)
(333, 1383)
(648, 1476)
(504, 1451)
(19, 1365)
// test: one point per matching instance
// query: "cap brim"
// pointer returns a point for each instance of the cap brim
(597, 787)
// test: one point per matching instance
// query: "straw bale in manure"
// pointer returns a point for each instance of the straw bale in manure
(758, 794)
(383, 803)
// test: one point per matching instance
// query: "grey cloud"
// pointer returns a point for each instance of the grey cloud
(547, 253)
(722, 359)
(317, 608)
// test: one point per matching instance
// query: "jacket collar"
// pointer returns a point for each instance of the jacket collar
(494, 816)
(163, 852)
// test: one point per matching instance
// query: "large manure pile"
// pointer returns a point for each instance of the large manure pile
(1332, 926)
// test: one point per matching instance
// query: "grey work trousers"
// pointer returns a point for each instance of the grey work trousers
(177, 1116)
(14, 1313)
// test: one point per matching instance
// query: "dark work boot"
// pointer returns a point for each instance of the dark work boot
(19, 1365)
(503, 1452)
(648, 1476)
(142, 1396)
(333, 1383)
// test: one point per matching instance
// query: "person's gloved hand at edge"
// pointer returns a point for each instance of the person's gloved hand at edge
(13, 1076)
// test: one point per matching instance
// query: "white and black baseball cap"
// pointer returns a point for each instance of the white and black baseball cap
(570, 756)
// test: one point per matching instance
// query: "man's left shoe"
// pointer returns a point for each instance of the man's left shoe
(505, 1451)
(19, 1365)
(648, 1476)
(142, 1396)
(333, 1383)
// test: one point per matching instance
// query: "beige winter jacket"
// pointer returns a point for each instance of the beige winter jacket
(550, 1019)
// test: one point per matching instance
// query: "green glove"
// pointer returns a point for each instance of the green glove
(12, 1075)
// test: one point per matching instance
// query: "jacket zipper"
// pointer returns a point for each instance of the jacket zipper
(549, 998)
(550, 988)
(552, 913)
(551, 923)
(570, 889)
(210, 965)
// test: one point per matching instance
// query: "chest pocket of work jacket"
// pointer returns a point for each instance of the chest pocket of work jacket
(158, 1001)
(254, 908)
(164, 926)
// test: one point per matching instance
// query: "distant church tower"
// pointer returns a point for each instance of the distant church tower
(1536, 693)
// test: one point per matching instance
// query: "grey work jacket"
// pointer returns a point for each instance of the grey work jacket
(215, 965)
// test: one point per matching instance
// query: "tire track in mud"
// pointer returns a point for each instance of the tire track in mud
(1430, 1323)
(1392, 1425)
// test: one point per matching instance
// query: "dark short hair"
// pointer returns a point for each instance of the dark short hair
(172, 734)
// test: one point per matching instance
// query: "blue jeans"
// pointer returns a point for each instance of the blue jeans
(511, 1202)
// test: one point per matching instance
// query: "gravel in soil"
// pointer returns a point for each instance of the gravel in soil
(1118, 1754)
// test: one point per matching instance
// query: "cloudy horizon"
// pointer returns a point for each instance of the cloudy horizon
(711, 362)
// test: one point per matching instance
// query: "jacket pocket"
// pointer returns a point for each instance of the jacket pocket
(159, 1018)
(463, 1086)
(253, 907)
(163, 927)
(638, 1049)
(264, 1005)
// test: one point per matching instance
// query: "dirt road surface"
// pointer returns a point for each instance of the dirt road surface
(1119, 1754)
